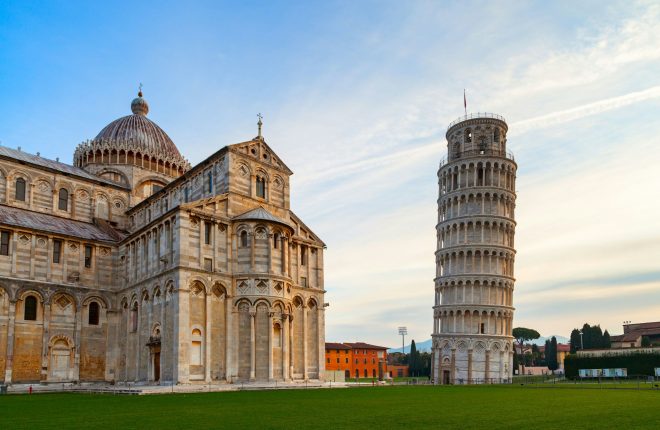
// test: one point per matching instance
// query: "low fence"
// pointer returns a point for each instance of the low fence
(634, 382)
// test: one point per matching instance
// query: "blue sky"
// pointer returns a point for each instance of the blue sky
(356, 98)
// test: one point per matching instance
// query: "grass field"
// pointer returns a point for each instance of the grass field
(411, 407)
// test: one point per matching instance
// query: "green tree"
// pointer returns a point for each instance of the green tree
(552, 358)
(413, 366)
(547, 351)
(522, 335)
(607, 342)
(575, 340)
(536, 355)
(646, 342)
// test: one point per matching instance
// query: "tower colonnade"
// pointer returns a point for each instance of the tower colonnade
(473, 312)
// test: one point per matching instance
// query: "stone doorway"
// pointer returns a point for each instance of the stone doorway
(445, 377)
(157, 366)
(61, 354)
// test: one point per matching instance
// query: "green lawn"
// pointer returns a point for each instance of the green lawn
(380, 407)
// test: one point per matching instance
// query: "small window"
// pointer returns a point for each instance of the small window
(20, 189)
(328, 360)
(88, 256)
(276, 238)
(4, 243)
(244, 239)
(482, 328)
(346, 360)
(303, 282)
(30, 311)
(496, 136)
(303, 255)
(93, 317)
(165, 205)
(207, 233)
(337, 360)
(57, 251)
(63, 202)
(210, 179)
(468, 135)
(134, 317)
(208, 264)
(261, 187)
(186, 194)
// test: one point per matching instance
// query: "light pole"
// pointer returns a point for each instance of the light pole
(581, 342)
(403, 331)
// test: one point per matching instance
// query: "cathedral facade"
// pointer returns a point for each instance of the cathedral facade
(131, 265)
(473, 311)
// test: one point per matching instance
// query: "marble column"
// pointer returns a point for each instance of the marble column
(253, 357)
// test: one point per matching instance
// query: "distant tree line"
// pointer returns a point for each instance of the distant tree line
(419, 363)
(592, 338)
(636, 363)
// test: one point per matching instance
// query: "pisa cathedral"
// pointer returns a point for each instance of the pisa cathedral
(473, 312)
(131, 265)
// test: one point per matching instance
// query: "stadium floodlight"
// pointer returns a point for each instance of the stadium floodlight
(403, 331)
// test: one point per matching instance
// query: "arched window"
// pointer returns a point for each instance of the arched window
(366, 375)
(30, 311)
(63, 202)
(276, 238)
(196, 350)
(468, 135)
(277, 336)
(496, 136)
(244, 239)
(261, 187)
(134, 317)
(210, 179)
(93, 317)
(373, 373)
(20, 189)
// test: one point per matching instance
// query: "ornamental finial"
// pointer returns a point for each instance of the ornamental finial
(259, 123)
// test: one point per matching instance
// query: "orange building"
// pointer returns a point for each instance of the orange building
(397, 370)
(357, 360)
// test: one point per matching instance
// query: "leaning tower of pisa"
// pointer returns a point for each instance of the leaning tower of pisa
(473, 310)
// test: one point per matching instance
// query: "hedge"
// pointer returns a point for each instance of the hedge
(637, 363)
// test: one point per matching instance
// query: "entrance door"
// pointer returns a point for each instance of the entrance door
(59, 361)
(157, 367)
(445, 377)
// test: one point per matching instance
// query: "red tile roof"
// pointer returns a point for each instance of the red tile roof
(331, 345)
(362, 345)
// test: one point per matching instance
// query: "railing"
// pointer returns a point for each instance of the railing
(474, 116)
(475, 153)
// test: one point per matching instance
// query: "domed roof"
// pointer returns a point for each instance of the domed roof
(141, 131)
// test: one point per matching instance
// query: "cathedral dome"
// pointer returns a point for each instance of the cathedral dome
(134, 139)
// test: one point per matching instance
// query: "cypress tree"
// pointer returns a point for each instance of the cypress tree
(552, 359)
(412, 361)
(607, 342)
(575, 340)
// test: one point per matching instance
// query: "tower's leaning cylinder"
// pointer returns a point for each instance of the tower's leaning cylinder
(473, 312)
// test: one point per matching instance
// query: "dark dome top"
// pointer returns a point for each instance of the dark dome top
(141, 131)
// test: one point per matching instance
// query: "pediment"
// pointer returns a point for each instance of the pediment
(258, 150)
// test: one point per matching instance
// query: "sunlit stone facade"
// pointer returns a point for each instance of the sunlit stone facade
(131, 265)
(473, 310)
